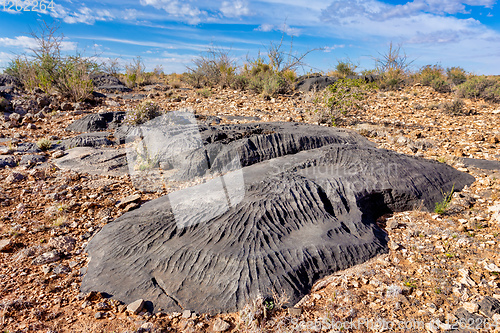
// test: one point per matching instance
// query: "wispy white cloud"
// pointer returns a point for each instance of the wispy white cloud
(265, 27)
(285, 28)
(235, 8)
(178, 9)
(83, 15)
(28, 43)
(328, 49)
(4, 59)
(343, 10)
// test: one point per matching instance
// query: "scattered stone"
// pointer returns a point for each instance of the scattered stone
(66, 106)
(186, 314)
(393, 246)
(295, 312)
(9, 161)
(471, 307)
(103, 306)
(128, 200)
(46, 258)
(14, 177)
(221, 325)
(147, 326)
(62, 243)
(5, 244)
(392, 224)
(489, 306)
(99, 315)
(61, 269)
(136, 306)
(492, 268)
(58, 154)
(46, 269)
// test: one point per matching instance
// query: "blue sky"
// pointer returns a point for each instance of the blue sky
(172, 32)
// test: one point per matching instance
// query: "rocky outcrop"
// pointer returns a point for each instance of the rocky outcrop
(297, 208)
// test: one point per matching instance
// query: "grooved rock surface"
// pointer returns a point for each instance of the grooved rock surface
(300, 208)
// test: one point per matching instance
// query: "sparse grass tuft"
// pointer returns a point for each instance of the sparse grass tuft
(455, 107)
(442, 206)
(44, 144)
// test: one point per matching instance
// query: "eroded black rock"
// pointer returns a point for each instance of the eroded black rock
(97, 122)
(300, 208)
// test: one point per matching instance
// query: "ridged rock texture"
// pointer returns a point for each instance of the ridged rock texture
(302, 205)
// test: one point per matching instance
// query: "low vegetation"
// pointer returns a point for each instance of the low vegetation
(342, 97)
(442, 206)
(48, 70)
(271, 74)
(44, 144)
(144, 112)
(480, 87)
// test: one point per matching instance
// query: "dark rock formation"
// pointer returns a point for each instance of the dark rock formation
(108, 82)
(9, 80)
(302, 206)
(7, 161)
(315, 83)
(96, 139)
(97, 122)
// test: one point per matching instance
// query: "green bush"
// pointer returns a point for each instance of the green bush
(260, 77)
(392, 67)
(144, 112)
(344, 69)
(48, 70)
(456, 75)
(480, 87)
(136, 75)
(433, 76)
(343, 97)
(212, 68)
(392, 79)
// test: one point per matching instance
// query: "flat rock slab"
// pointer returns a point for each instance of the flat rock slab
(95, 161)
(284, 221)
(482, 164)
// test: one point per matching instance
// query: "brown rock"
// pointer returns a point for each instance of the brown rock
(128, 200)
(5, 244)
